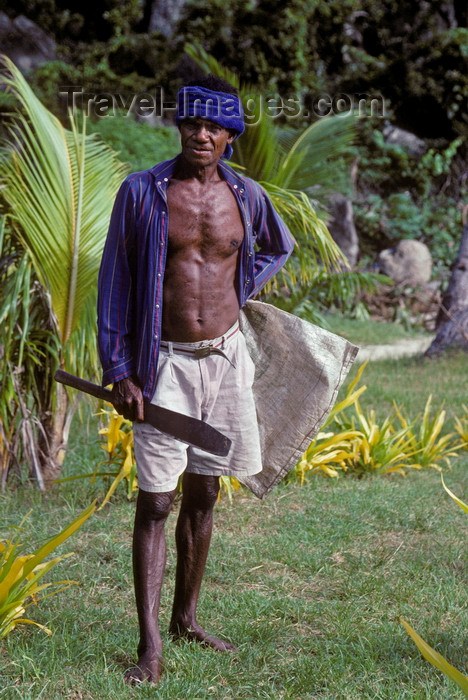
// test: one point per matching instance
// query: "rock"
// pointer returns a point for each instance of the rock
(413, 145)
(409, 262)
(26, 44)
(341, 227)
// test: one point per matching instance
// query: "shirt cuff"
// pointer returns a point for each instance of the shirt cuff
(117, 372)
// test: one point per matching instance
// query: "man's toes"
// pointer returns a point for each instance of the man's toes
(218, 644)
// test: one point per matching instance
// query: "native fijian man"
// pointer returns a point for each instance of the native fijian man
(190, 241)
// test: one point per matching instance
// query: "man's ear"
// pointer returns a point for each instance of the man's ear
(232, 135)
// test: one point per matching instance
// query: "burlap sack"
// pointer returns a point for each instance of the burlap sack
(299, 369)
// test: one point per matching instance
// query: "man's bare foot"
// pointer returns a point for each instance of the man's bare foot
(149, 668)
(195, 633)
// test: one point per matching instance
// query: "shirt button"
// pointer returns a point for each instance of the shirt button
(159, 182)
(165, 179)
(241, 191)
(159, 274)
(235, 187)
(156, 337)
(157, 306)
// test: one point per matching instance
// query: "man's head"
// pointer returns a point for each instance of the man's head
(212, 99)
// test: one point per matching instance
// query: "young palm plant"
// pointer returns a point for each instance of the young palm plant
(27, 340)
(58, 186)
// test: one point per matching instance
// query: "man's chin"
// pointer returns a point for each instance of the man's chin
(199, 157)
(202, 154)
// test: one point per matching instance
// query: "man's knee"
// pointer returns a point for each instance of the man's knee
(154, 506)
(199, 492)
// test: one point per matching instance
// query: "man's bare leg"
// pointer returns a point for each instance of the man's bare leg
(193, 536)
(149, 561)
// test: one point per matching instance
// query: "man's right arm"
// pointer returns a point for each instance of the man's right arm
(115, 298)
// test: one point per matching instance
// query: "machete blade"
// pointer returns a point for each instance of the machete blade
(185, 428)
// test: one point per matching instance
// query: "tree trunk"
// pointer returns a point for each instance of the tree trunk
(452, 319)
(53, 438)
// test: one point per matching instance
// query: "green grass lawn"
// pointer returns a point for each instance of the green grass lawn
(309, 583)
(369, 332)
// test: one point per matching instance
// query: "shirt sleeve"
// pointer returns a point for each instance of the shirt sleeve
(114, 310)
(274, 243)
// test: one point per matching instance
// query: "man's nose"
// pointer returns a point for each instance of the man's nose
(202, 133)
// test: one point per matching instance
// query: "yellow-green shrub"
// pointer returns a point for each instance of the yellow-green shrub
(119, 447)
(361, 444)
(427, 651)
(20, 575)
(461, 426)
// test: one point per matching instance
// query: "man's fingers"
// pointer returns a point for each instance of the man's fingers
(140, 411)
(128, 400)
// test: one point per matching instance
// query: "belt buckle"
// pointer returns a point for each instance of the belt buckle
(202, 352)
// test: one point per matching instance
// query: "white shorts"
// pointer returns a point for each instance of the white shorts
(217, 389)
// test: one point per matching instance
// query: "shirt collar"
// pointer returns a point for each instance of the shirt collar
(162, 173)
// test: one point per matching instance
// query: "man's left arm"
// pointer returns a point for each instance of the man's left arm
(274, 243)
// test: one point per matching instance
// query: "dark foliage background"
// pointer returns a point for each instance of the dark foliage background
(412, 54)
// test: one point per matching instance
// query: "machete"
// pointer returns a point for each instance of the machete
(185, 428)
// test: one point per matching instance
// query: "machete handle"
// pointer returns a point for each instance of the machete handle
(83, 385)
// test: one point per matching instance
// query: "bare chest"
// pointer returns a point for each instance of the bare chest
(208, 221)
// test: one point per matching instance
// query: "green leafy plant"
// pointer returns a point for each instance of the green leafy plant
(328, 290)
(427, 651)
(119, 447)
(437, 659)
(361, 444)
(20, 574)
(378, 447)
(29, 345)
(427, 443)
(58, 186)
(403, 195)
(326, 453)
(457, 500)
(138, 144)
(461, 426)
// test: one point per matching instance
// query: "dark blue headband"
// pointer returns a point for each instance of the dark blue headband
(219, 107)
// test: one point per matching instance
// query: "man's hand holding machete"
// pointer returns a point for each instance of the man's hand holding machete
(127, 398)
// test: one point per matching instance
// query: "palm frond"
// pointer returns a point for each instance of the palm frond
(314, 244)
(59, 185)
(308, 161)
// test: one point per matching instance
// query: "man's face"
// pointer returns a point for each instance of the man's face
(203, 142)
